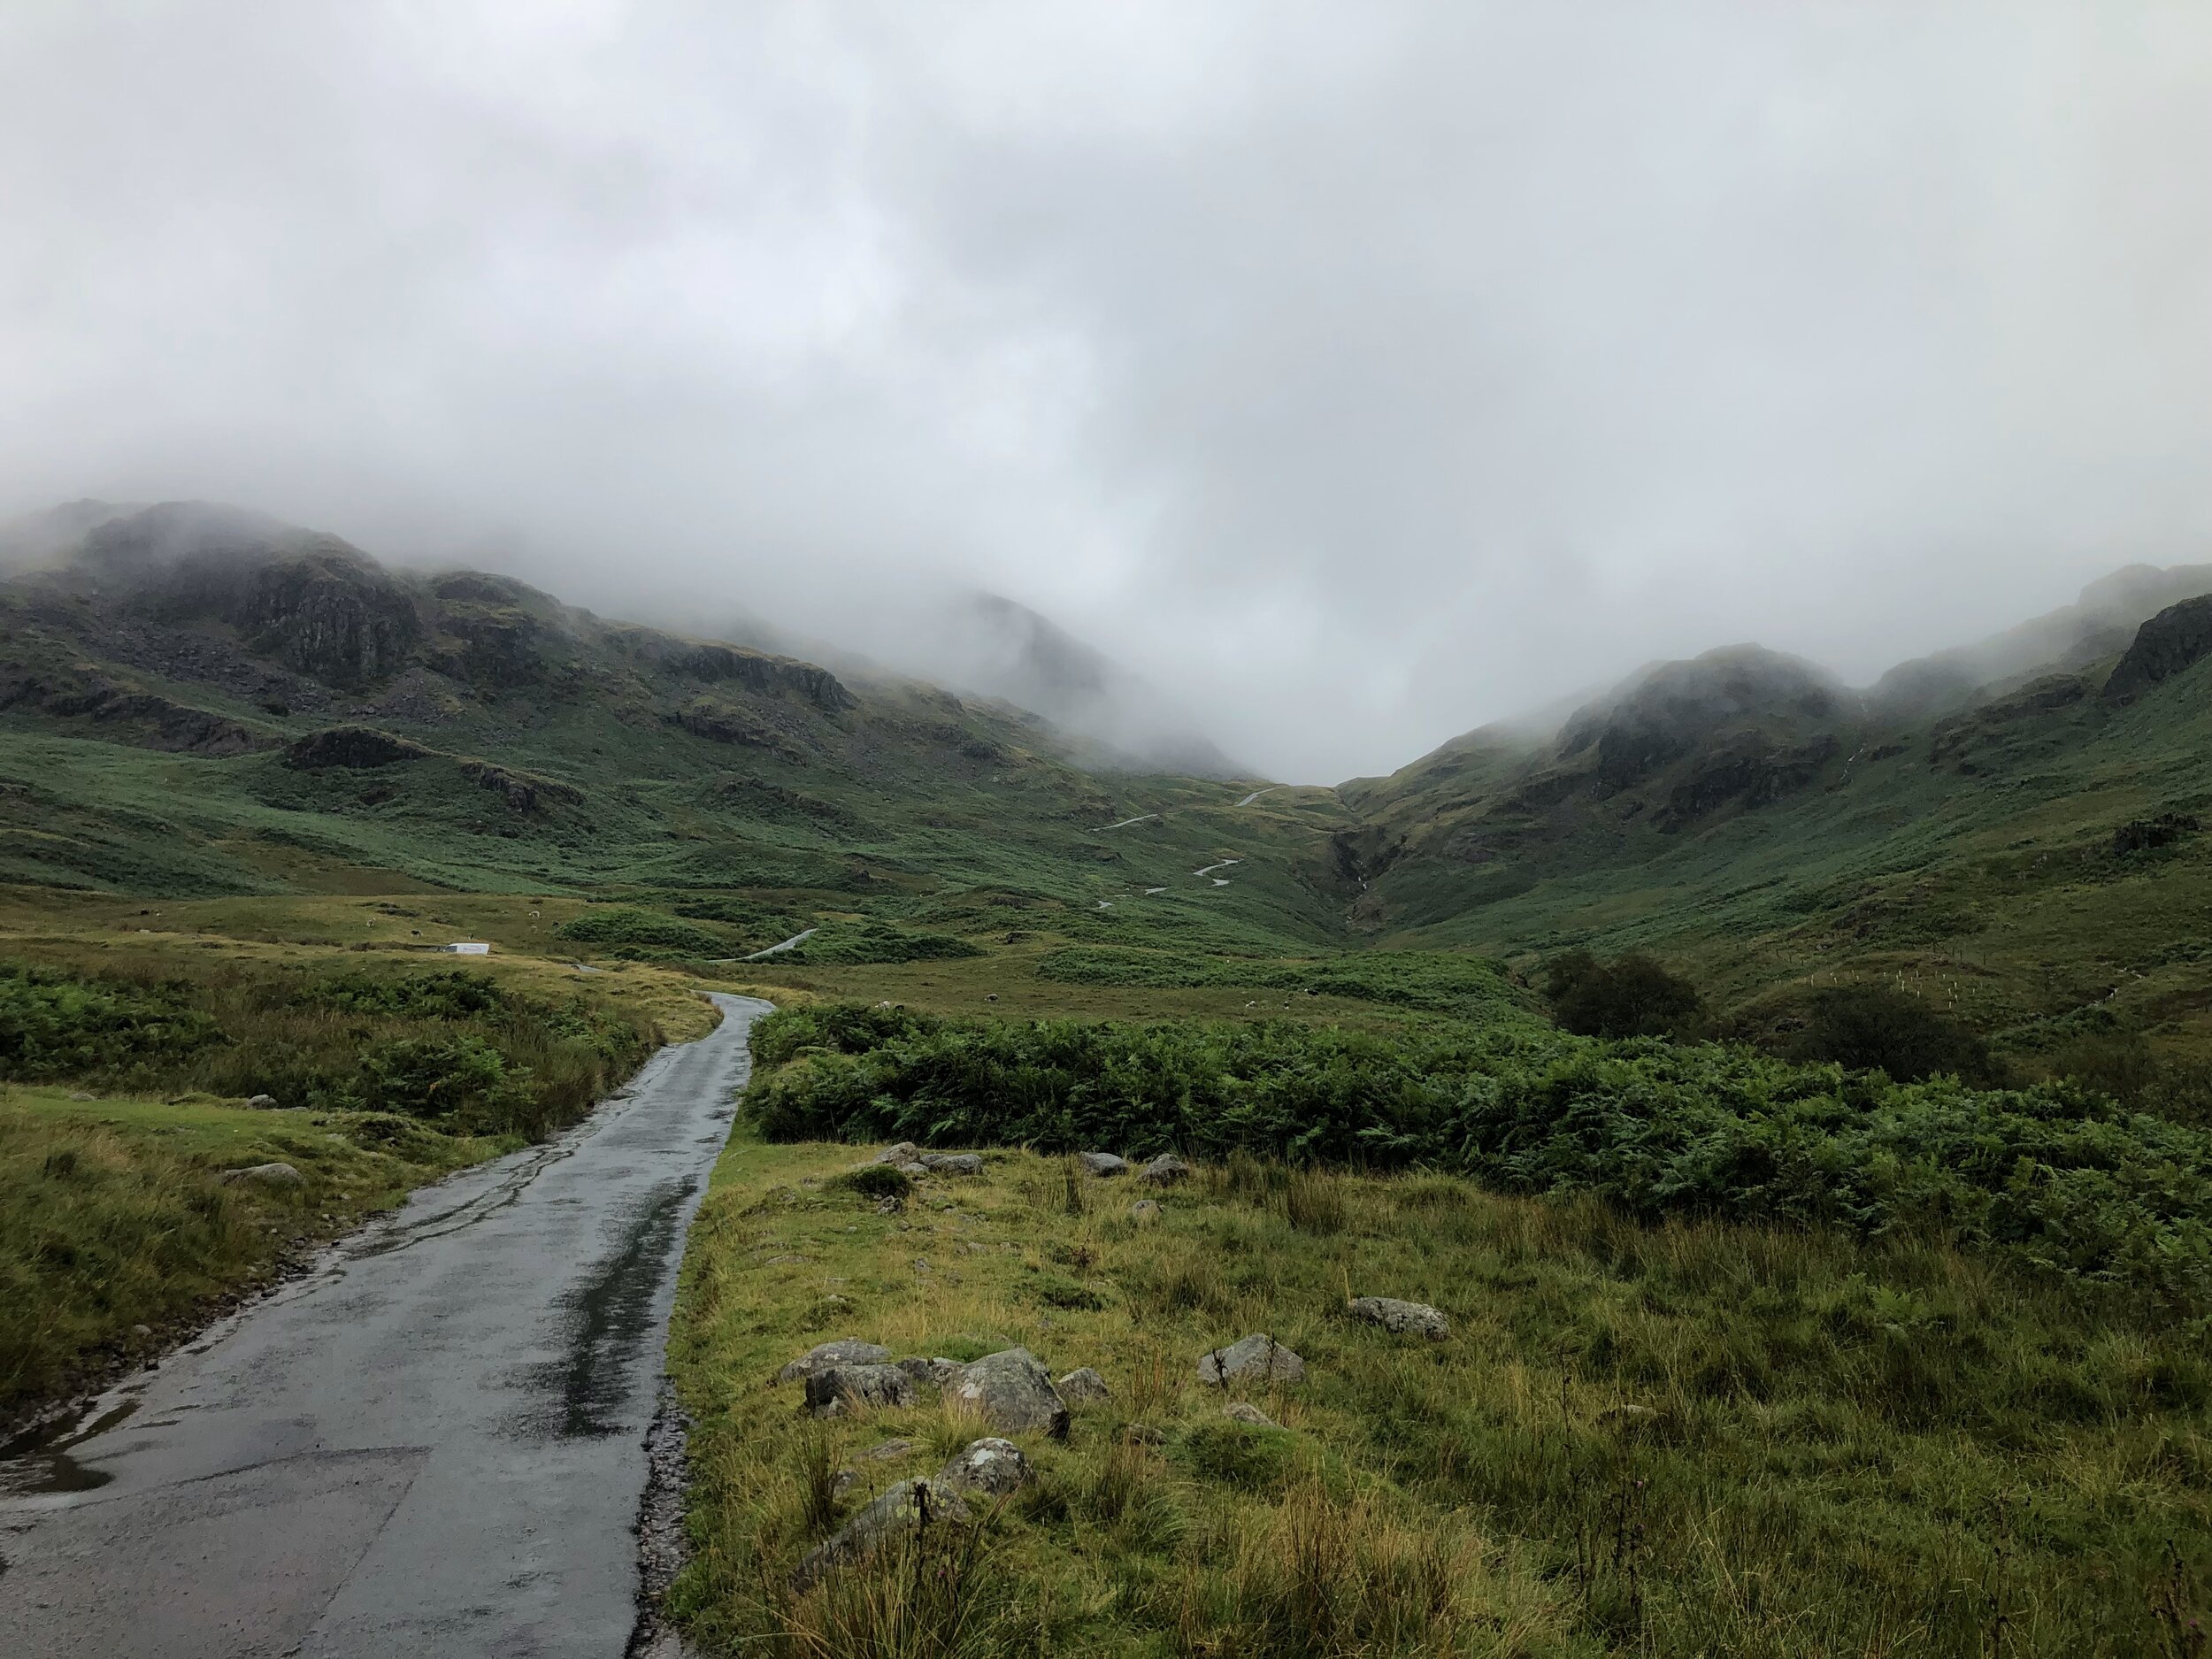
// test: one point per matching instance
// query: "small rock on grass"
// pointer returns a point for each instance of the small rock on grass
(842, 1390)
(953, 1163)
(1083, 1385)
(1011, 1392)
(262, 1104)
(268, 1175)
(1144, 1209)
(1257, 1358)
(1164, 1171)
(1402, 1319)
(992, 1465)
(846, 1350)
(933, 1374)
(1249, 1414)
(887, 1452)
(904, 1511)
(903, 1153)
(1102, 1163)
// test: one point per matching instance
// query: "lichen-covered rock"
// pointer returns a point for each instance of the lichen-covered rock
(993, 1466)
(1258, 1358)
(1083, 1385)
(904, 1511)
(1102, 1163)
(842, 1390)
(953, 1163)
(1402, 1319)
(1251, 1416)
(846, 1350)
(1164, 1171)
(1011, 1392)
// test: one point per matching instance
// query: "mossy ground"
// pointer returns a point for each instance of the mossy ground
(1686, 1439)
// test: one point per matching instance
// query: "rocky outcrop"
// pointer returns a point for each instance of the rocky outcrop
(2142, 835)
(754, 671)
(354, 747)
(1749, 771)
(2176, 639)
(721, 722)
(525, 791)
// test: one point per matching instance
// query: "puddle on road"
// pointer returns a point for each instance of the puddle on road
(608, 1319)
(37, 1464)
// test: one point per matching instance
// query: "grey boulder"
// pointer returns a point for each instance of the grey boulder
(1102, 1163)
(846, 1350)
(1083, 1385)
(1144, 1209)
(842, 1390)
(994, 1467)
(905, 1509)
(1011, 1392)
(267, 1175)
(1258, 1358)
(1251, 1416)
(261, 1102)
(903, 1153)
(1402, 1319)
(953, 1163)
(1164, 1171)
(929, 1373)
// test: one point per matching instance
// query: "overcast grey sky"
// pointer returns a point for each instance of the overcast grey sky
(1359, 372)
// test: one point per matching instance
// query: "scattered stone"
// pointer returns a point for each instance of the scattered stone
(933, 1374)
(887, 1452)
(993, 1466)
(262, 1104)
(912, 1166)
(887, 1205)
(1102, 1163)
(1083, 1385)
(905, 1509)
(78, 1094)
(921, 1265)
(1144, 1209)
(1010, 1391)
(844, 1481)
(141, 1330)
(903, 1153)
(268, 1174)
(953, 1163)
(1164, 1171)
(842, 1390)
(846, 1350)
(1402, 1319)
(1257, 1358)
(1251, 1415)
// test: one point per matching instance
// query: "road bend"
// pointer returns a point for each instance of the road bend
(433, 1444)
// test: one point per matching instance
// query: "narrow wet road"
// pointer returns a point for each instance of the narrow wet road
(432, 1445)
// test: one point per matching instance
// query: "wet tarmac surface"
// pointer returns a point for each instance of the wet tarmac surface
(432, 1445)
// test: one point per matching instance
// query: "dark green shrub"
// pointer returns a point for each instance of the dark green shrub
(876, 1180)
(636, 928)
(452, 994)
(1876, 1028)
(1629, 996)
(58, 1025)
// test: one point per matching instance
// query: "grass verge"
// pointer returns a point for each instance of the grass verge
(1682, 1439)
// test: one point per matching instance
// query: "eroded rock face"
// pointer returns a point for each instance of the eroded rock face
(842, 1390)
(1102, 1163)
(2176, 639)
(1011, 1392)
(1258, 1358)
(846, 1350)
(1402, 1319)
(356, 747)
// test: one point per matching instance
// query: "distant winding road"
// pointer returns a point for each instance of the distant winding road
(432, 1445)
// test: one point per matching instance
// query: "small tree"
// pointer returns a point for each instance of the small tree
(1629, 996)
